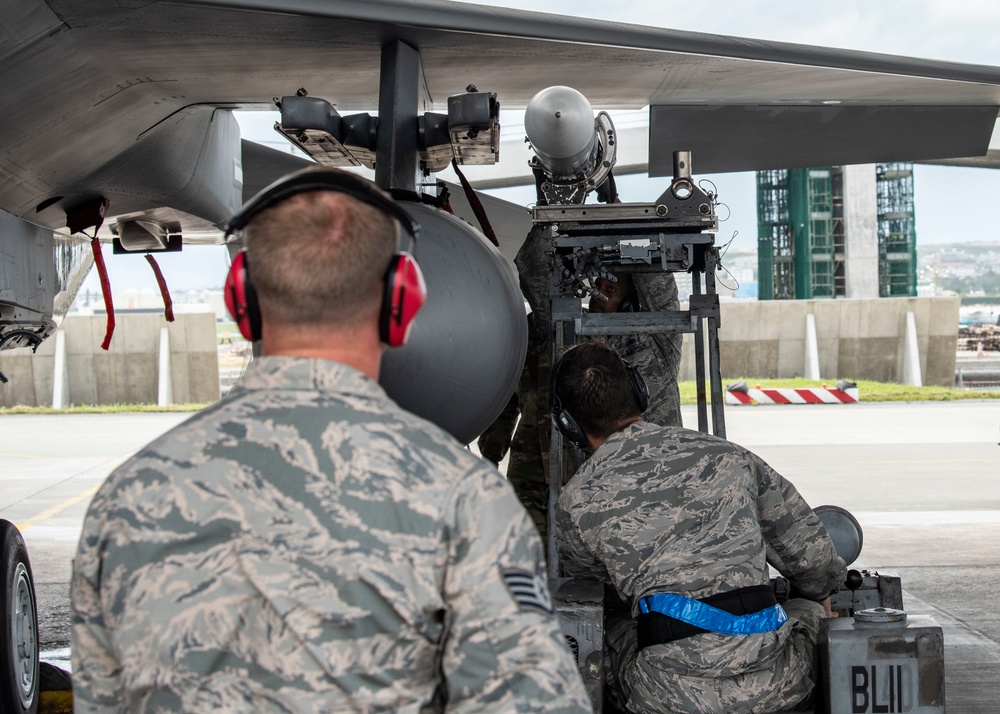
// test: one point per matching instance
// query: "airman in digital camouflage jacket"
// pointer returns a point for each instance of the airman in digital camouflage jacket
(669, 510)
(305, 545)
(657, 357)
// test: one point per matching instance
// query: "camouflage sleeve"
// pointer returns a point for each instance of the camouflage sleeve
(795, 534)
(495, 441)
(658, 291)
(504, 650)
(576, 559)
(532, 261)
(96, 670)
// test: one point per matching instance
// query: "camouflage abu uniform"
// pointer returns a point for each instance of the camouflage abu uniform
(304, 545)
(668, 510)
(657, 357)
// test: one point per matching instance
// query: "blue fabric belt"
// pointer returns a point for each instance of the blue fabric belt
(707, 617)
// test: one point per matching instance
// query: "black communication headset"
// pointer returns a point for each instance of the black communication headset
(566, 423)
(405, 290)
(630, 303)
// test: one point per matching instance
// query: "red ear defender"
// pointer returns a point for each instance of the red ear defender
(241, 298)
(405, 292)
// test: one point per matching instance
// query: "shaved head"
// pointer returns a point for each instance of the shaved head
(320, 258)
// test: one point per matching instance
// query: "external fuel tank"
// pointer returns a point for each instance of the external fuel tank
(467, 345)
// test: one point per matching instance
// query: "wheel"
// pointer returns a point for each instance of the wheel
(19, 632)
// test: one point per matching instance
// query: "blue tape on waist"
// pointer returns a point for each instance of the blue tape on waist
(699, 614)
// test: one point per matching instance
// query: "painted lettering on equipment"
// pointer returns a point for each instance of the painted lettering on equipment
(881, 689)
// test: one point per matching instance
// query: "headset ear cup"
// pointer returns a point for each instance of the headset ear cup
(567, 425)
(564, 421)
(639, 388)
(404, 295)
(629, 303)
(241, 298)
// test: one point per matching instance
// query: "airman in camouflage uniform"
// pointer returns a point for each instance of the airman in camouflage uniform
(668, 510)
(657, 357)
(305, 545)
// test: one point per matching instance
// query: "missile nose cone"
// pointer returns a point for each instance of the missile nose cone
(559, 122)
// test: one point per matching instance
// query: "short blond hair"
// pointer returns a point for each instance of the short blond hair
(320, 257)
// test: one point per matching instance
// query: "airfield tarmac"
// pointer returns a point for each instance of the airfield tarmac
(923, 479)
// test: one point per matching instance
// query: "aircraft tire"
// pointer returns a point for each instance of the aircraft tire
(18, 626)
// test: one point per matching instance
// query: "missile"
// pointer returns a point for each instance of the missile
(559, 122)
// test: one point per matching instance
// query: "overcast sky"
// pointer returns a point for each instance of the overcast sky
(951, 203)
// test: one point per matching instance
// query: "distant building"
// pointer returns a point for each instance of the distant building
(840, 231)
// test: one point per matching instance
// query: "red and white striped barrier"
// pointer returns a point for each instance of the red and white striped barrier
(781, 395)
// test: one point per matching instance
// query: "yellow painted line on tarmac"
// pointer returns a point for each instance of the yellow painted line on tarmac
(58, 508)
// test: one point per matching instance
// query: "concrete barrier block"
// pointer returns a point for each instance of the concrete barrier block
(95, 328)
(939, 368)
(140, 334)
(43, 370)
(202, 383)
(769, 319)
(827, 314)
(849, 358)
(141, 377)
(104, 372)
(886, 318)
(178, 334)
(83, 379)
(749, 359)
(792, 320)
(791, 357)
(19, 370)
(943, 316)
(82, 334)
(877, 359)
(732, 359)
(921, 309)
(762, 359)
(200, 333)
(829, 357)
(850, 318)
(739, 322)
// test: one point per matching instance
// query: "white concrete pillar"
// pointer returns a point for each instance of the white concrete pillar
(60, 376)
(165, 392)
(811, 368)
(860, 232)
(911, 354)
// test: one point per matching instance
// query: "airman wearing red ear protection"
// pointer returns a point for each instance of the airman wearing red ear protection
(305, 543)
(344, 228)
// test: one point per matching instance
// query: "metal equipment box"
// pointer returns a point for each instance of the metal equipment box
(882, 661)
(580, 606)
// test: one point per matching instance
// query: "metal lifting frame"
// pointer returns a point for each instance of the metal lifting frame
(671, 235)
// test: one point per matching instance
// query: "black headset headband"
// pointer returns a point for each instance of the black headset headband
(314, 179)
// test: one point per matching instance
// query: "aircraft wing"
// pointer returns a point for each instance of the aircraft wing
(129, 102)
(122, 99)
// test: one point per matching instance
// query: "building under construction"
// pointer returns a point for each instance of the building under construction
(840, 231)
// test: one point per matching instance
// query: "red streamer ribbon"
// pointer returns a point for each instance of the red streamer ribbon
(109, 306)
(168, 304)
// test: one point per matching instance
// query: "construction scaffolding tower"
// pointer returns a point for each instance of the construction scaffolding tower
(775, 254)
(839, 234)
(801, 243)
(897, 236)
(795, 228)
(810, 207)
